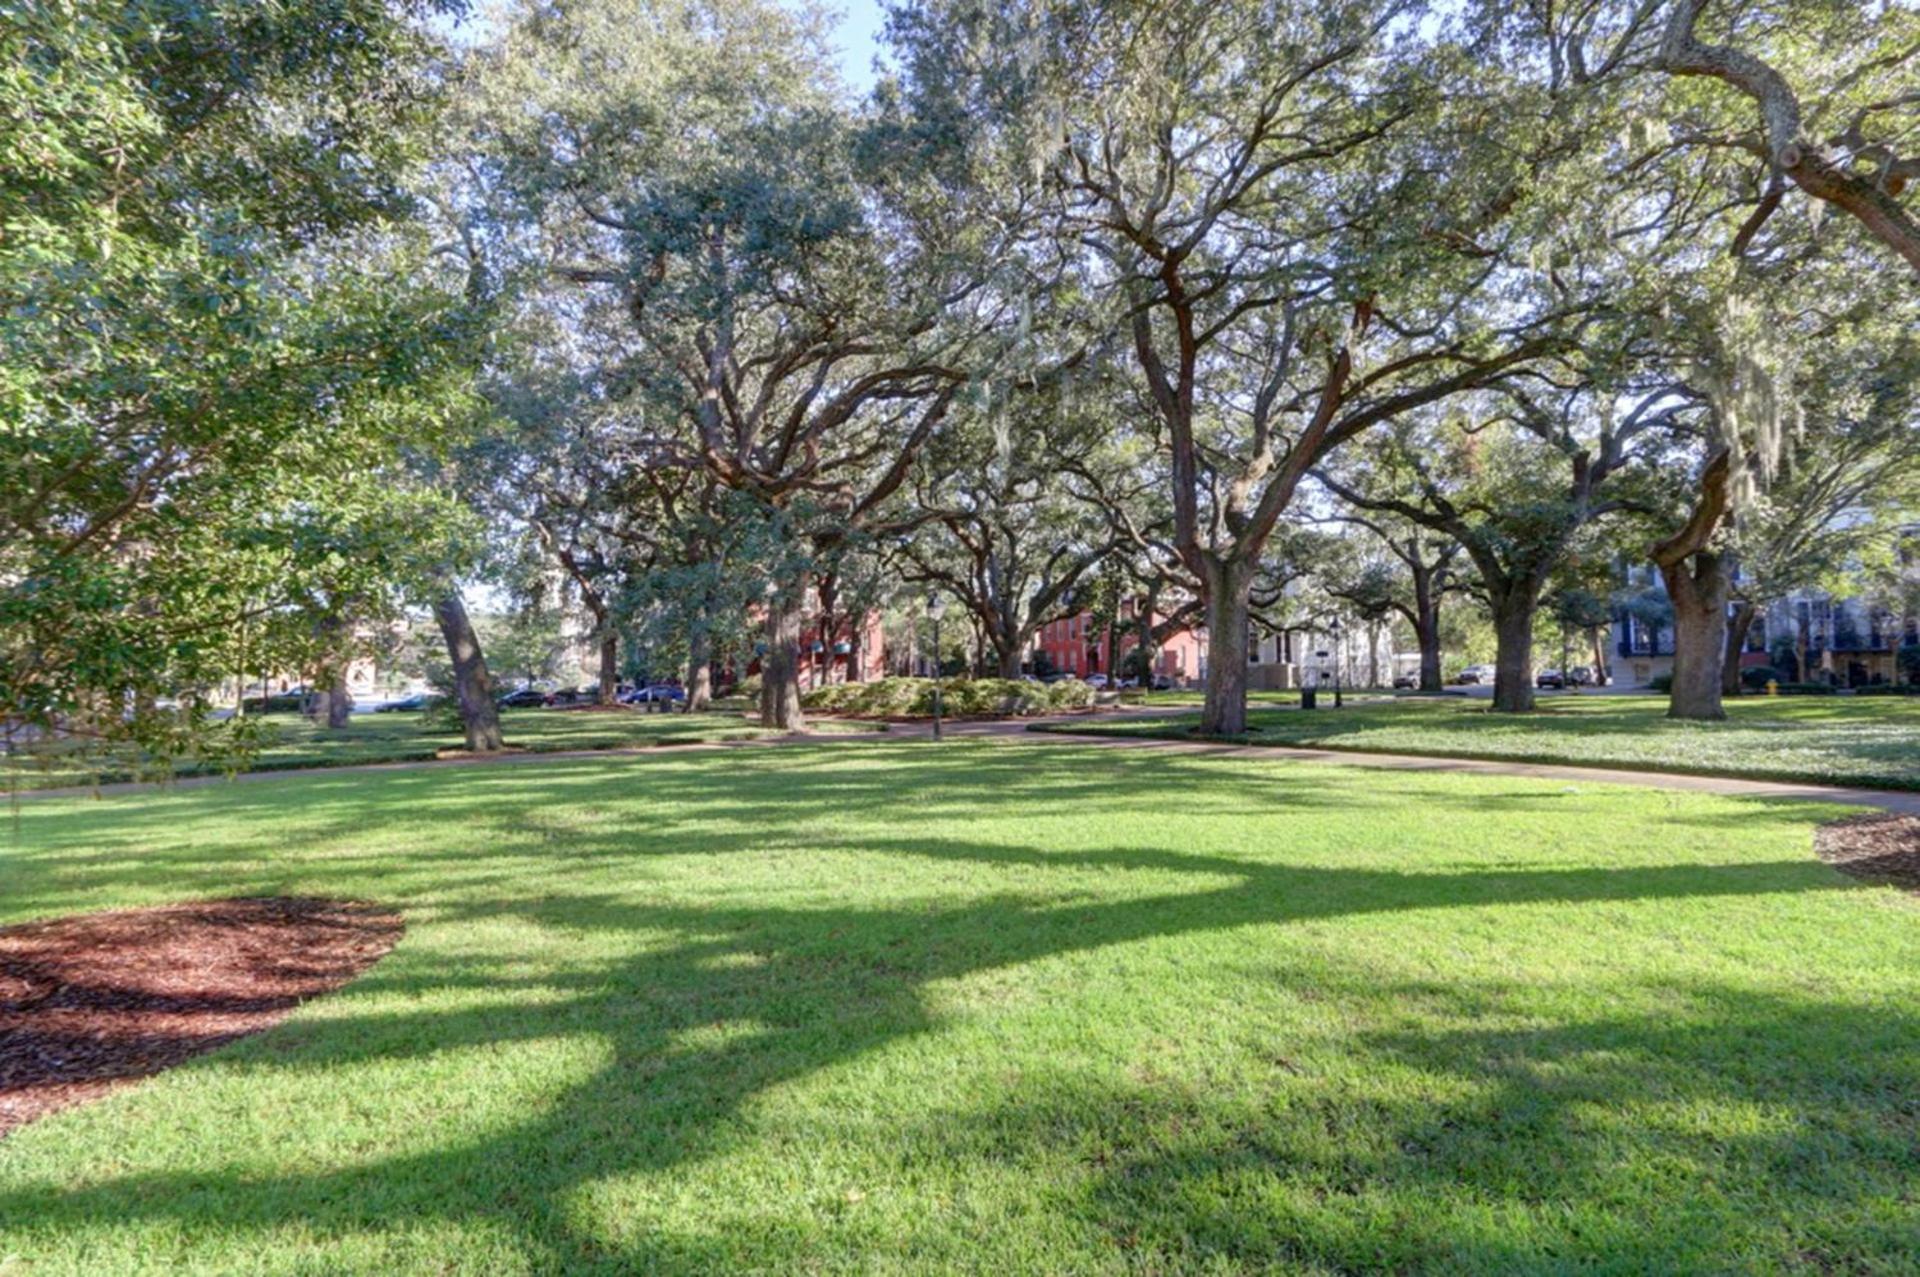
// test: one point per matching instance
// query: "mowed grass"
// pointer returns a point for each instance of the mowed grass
(293, 741)
(1193, 697)
(1002, 1007)
(1841, 740)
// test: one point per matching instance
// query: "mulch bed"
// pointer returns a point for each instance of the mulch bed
(1877, 846)
(99, 1001)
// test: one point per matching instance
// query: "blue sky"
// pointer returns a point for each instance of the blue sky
(858, 36)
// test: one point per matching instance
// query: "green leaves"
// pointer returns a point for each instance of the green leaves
(213, 319)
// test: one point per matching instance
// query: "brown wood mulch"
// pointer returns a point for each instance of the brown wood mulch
(1878, 846)
(98, 1001)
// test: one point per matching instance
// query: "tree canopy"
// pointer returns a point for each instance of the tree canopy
(1250, 310)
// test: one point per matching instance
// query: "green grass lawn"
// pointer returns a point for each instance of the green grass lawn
(297, 742)
(1846, 740)
(1014, 1007)
(1193, 698)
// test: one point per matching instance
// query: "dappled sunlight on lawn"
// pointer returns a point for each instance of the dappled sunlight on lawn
(1827, 739)
(1015, 1007)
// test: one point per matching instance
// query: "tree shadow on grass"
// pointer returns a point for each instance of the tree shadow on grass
(731, 1002)
(1733, 1131)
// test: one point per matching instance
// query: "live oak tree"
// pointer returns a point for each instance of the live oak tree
(209, 293)
(1770, 369)
(1428, 571)
(357, 555)
(1836, 517)
(1010, 531)
(1831, 86)
(1791, 98)
(703, 553)
(1819, 106)
(786, 301)
(1513, 485)
(1288, 265)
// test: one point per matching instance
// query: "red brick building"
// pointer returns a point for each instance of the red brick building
(853, 653)
(1073, 645)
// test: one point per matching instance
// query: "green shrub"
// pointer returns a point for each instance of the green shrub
(890, 697)
(1662, 683)
(1758, 676)
(1069, 693)
(833, 696)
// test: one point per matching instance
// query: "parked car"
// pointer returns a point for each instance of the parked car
(525, 698)
(1098, 680)
(1060, 677)
(1162, 683)
(1406, 682)
(417, 701)
(1581, 676)
(1476, 674)
(291, 701)
(659, 692)
(1549, 678)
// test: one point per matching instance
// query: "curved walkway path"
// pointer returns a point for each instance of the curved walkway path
(1015, 731)
(1903, 802)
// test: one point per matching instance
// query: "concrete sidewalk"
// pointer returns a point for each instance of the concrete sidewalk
(1903, 802)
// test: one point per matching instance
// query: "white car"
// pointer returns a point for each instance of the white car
(1097, 680)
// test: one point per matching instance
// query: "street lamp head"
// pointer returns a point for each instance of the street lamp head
(936, 604)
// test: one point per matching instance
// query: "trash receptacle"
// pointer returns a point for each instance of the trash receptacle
(1306, 698)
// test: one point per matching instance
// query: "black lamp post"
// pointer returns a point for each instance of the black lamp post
(936, 608)
(1338, 652)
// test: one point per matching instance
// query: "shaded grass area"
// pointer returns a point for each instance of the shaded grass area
(294, 742)
(1193, 698)
(1873, 741)
(1003, 1007)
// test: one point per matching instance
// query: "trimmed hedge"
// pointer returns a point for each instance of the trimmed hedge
(889, 697)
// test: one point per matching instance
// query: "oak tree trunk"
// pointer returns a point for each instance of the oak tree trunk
(1697, 586)
(1430, 676)
(473, 685)
(609, 690)
(699, 668)
(1426, 628)
(1513, 610)
(1228, 584)
(339, 698)
(780, 670)
(1149, 652)
(1006, 654)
